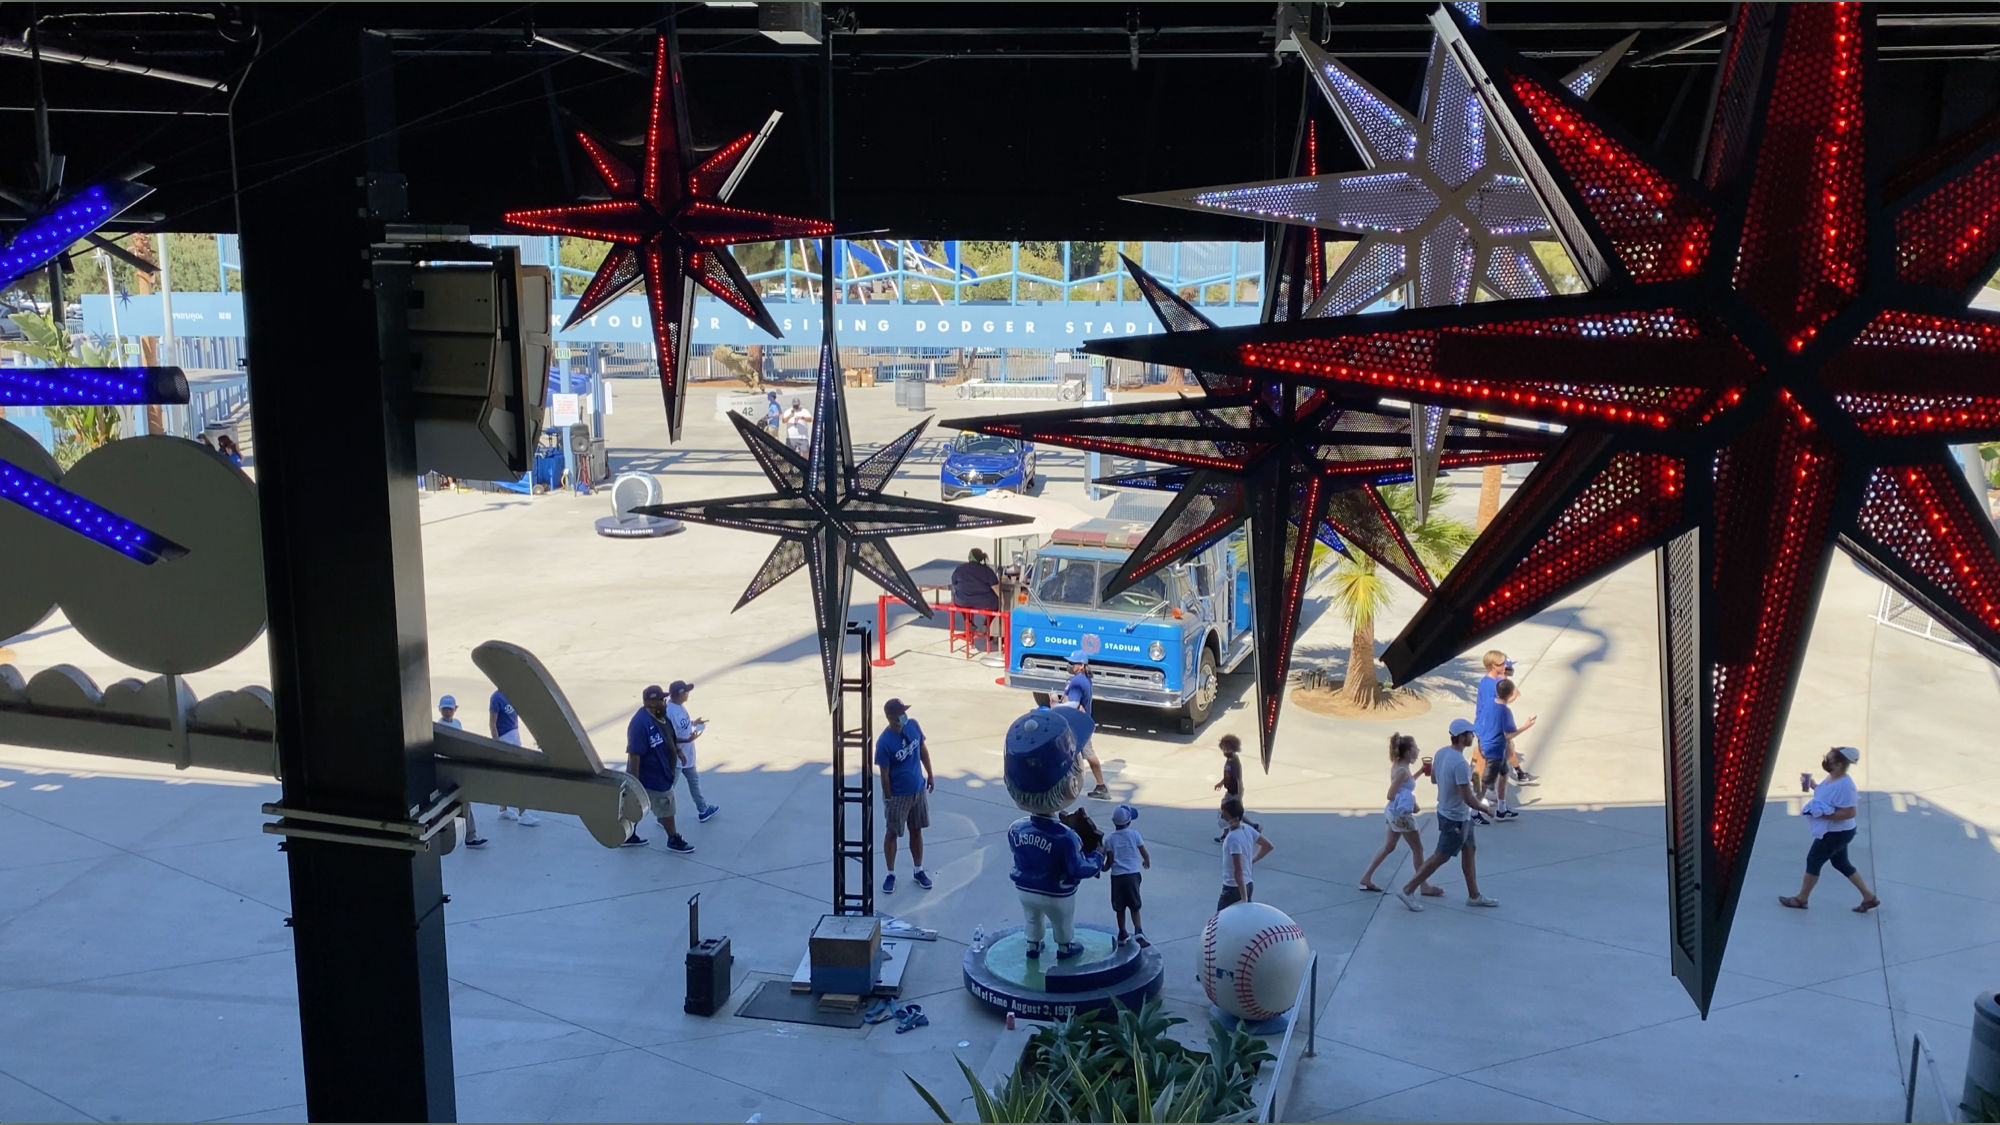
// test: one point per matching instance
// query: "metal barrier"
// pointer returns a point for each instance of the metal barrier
(1275, 1095)
(1898, 612)
(1922, 1075)
(882, 622)
(215, 406)
(1068, 390)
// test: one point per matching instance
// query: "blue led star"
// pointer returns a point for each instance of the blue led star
(88, 386)
(91, 386)
(38, 242)
(88, 519)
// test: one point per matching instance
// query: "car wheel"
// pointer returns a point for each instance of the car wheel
(1202, 701)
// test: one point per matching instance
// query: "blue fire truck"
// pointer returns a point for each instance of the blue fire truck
(1161, 643)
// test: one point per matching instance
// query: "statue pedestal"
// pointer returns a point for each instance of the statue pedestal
(1005, 978)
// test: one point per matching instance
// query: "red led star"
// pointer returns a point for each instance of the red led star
(1772, 363)
(669, 224)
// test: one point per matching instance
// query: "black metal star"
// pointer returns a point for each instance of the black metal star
(830, 514)
(1296, 463)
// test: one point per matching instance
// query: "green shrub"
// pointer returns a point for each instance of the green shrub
(1089, 1069)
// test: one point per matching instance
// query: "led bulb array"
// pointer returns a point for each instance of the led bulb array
(92, 521)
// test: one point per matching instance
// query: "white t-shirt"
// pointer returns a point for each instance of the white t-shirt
(1835, 794)
(1124, 844)
(1241, 840)
(683, 728)
(799, 426)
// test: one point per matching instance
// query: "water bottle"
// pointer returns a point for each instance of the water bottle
(979, 938)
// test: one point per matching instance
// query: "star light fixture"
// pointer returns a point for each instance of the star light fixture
(1297, 464)
(1773, 363)
(670, 223)
(88, 386)
(831, 515)
(1442, 210)
(71, 220)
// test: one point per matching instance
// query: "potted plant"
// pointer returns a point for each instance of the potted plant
(1087, 1068)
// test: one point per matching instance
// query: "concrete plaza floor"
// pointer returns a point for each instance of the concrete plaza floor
(146, 974)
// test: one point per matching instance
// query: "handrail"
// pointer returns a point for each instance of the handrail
(1921, 1059)
(1274, 1102)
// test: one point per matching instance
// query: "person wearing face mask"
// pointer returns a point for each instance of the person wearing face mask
(1831, 815)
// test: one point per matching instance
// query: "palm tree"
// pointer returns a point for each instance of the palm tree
(1360, 590)
(79, 429)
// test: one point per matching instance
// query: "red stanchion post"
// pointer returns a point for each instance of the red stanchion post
(882, 632)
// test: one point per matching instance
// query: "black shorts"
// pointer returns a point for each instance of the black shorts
(1496, 768)
(1830, 848)
(1230, 897)
(1125, 891)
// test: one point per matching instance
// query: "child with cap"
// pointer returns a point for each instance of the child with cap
(448, 717)
(1125, 851)
(1831, 813)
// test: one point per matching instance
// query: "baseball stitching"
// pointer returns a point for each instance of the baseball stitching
(1208, 951)
(1247, 963)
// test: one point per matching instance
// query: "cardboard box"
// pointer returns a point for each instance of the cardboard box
(844, 952)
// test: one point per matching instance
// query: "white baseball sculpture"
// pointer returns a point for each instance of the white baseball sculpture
(1253, 957)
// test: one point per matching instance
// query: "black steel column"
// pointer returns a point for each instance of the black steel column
(342, 560)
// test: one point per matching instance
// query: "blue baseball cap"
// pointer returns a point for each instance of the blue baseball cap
(1461, 726)
(1124, 815)
(895, 707)
(450, 701)
(1078, 656)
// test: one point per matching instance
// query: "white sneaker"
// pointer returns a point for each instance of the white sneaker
(1408, 899)
(508, 814)
(529, 819)
(1482, 900)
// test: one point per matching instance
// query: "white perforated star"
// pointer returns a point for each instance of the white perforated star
(1440, 209)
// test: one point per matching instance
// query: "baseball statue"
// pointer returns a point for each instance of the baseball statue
(1044, 773)
(1253, 957)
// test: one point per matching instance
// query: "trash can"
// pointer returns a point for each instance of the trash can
(902, 390)
(1982, 1063)
(547, 473)
(600, 461)
(917, 395)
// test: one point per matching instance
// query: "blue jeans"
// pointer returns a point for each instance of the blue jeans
(694, 788)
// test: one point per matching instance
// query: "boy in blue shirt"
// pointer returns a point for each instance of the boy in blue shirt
(1497, 730)
(650, 758)
(904, 760)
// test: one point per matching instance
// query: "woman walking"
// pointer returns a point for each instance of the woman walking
(1400, 813)
(1831, 814)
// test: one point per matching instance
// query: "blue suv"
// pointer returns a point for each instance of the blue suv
(978, 463)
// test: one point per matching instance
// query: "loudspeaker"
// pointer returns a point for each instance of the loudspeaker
(708, 966)
(476, 337)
